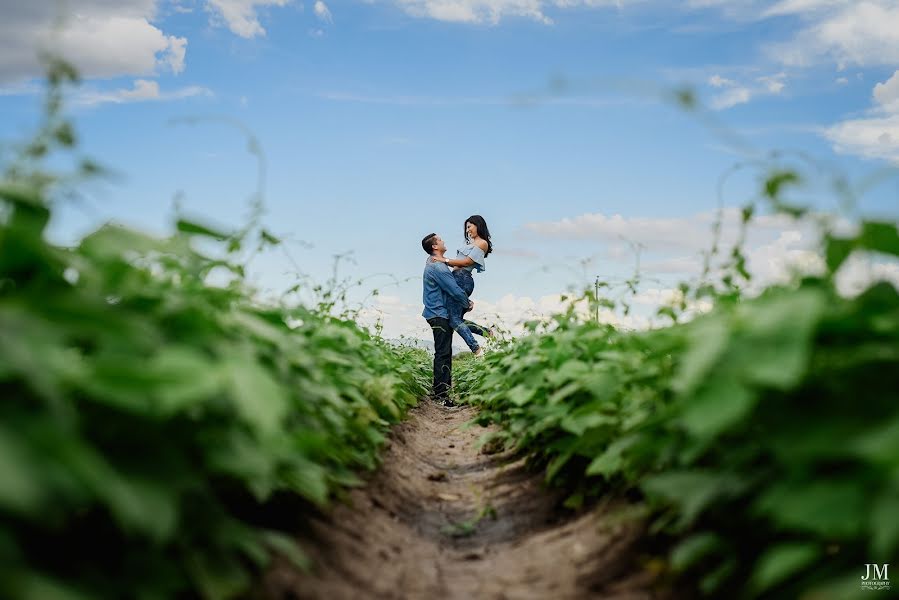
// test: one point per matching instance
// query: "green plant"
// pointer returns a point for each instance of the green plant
(159, 435)
(763, 435)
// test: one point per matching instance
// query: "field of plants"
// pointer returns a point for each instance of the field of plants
(760, 439)
(164, 432)
(159, 435)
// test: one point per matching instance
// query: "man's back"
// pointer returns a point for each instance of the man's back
(437, 281)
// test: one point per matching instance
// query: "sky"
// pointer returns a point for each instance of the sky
(381, 121)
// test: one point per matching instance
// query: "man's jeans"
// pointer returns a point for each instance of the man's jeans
(464, 328)
(443, 357)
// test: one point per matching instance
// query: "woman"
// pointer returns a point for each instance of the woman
(469, 258)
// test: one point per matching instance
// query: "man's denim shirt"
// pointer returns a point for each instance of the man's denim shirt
(438, 283)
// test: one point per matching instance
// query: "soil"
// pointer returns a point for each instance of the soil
(413, 531)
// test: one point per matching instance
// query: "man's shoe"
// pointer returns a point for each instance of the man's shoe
(479, 353)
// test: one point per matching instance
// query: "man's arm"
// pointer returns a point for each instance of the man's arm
(448, 284)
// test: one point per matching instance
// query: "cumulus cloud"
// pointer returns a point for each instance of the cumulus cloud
(775, 246)
(848, 32)
(877, 134)
(241, 16)
(886, 94)
(871, 137)
(102, 39)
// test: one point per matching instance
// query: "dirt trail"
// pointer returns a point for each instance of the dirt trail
(394, 539)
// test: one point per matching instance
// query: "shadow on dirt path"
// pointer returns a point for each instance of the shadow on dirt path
(441, 520)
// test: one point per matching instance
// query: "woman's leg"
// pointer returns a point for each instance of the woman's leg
(465, 281)
(478, 329)
(455, 321)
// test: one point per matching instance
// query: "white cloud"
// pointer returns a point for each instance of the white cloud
(734, 93)
(776, 248)
(719, 81)
(841, 81)
(774, 84)
(871, 137)
(241, 15)
(493, 11)
(141, 91)
(886, 94)
(774, 245)
(102, 39)
(689, 233)
(475, 11)
(321, 11)
(861, 269)
(732, 97)
(877, 134)
(848, 32)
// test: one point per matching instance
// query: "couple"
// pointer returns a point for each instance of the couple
(447, 285)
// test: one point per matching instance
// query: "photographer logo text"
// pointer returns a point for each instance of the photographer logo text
(876, 577)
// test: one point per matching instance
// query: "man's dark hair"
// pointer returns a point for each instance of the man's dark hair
(428, 243)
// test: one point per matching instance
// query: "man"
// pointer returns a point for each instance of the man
(438, 285)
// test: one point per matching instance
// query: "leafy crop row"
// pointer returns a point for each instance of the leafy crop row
(761, 437)
(157, 431)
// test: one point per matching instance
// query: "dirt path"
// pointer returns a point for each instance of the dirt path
(404, 535)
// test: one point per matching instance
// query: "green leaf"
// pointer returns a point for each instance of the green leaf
(30, 585)
(694, 549)
(270, 239)
(781, 562)
(138, 504)
(779, 180)
(610, 461)
(217, 577)
(193, 228)
(288, 548)
(520, 395)
(586, 418)
(774, 346)
(716, 406)
(257, 396)
(690, 491)
(829, 509)
(879, 443)
(23, 195)
(116, 242)
(836, 251)
(707, 338)
(880, 236)
(20, 486)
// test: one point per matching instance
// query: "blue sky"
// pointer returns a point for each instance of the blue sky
(382, 121)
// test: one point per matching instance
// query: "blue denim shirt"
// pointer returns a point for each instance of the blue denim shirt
(438, 283)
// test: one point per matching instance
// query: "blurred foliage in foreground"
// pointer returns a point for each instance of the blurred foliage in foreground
(762, 438)
(157, 431)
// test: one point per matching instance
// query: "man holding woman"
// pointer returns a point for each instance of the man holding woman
(445, 297)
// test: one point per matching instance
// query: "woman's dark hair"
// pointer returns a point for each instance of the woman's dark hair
(479, 222)
(428, 242)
